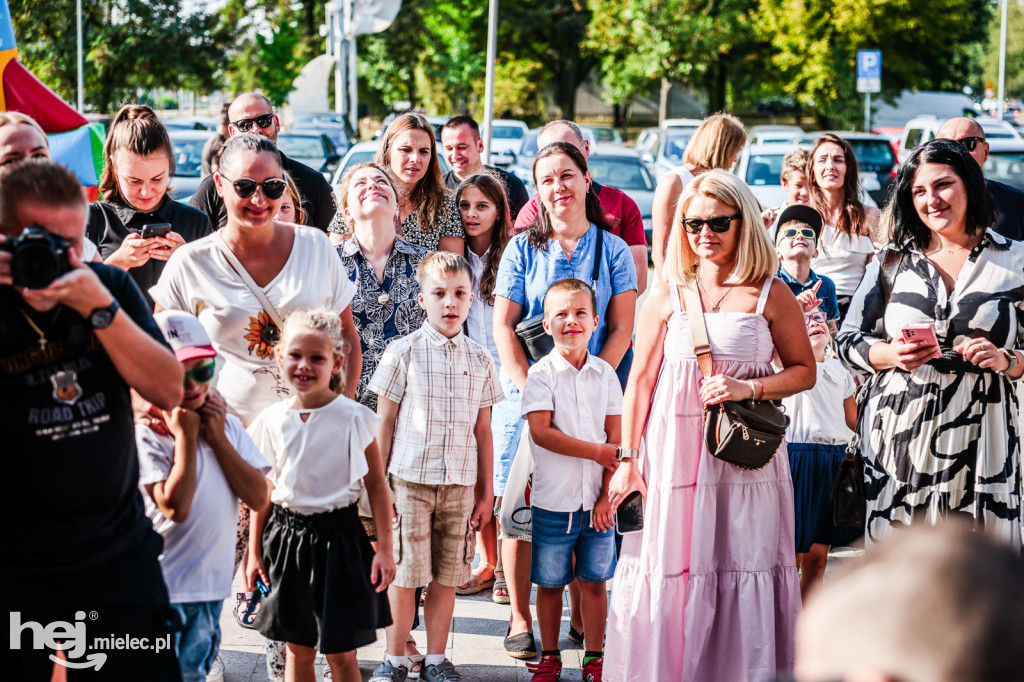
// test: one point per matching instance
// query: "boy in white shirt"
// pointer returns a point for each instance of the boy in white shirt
(195, 462)
(573, 404)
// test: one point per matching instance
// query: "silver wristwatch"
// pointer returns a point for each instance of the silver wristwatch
(622, 453)
(1012, 357)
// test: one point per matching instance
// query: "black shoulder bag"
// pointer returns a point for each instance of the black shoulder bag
(744, 433)
(849, 504)
(536, 342)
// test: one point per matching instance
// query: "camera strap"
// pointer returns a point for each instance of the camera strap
(256, 290)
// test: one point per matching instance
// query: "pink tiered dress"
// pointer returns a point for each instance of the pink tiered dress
(708, 591)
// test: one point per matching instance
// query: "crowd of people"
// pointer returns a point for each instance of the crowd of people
(343, 401)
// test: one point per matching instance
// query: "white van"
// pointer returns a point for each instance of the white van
(923, 128)
(943, 105)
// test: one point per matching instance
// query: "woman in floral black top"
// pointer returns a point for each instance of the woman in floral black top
(382, 266)
(427, 210)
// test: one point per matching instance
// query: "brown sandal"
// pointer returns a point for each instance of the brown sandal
(475, 584)
(499, 593)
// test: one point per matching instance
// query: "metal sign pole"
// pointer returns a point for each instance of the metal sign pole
(492, 48)
(81, 77)
(867, 112)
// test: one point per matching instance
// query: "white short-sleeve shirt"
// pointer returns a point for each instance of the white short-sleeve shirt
(198, 558)
(817, 415)
(579, 401)
(198, 279)
(317, 465)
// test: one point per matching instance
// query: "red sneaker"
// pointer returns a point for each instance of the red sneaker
(592, 671)
(547, 669)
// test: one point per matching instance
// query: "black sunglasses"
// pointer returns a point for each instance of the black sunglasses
(245, 124)
(969, 143)
(273, 188)
(717, 224)
(201, 374)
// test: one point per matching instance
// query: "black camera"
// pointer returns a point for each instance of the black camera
(37, 257)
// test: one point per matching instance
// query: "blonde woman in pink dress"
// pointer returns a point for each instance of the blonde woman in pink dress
(708, 591)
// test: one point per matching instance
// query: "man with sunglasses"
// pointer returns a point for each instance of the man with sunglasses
(1009, 200)
(252, 113)
(796, 243)
(195, 463)
(76, 540)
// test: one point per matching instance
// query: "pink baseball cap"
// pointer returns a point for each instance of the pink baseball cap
(185, 335)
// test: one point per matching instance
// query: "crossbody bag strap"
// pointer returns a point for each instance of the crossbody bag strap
(256, 290)
(598, 252)
(698, 330)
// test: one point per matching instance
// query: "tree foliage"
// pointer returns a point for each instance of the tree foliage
(1014, 51)
(926, 44)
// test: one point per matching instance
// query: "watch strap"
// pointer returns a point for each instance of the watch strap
(111, 310)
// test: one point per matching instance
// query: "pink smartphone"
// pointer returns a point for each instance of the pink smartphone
(918, 333)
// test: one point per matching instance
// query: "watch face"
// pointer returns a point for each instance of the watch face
(101, 319)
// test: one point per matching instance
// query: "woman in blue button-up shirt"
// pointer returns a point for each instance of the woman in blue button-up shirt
(560, 243)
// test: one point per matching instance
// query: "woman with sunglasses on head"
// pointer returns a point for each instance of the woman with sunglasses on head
(427, 213)
(708, 591)
(939, 425)
(562, 241)
(137, 225)
(222, 278)
(846, 243)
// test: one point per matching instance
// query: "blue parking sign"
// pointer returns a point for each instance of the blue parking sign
(869, 70)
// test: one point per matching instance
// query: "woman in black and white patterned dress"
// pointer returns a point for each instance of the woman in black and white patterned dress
(939, 434)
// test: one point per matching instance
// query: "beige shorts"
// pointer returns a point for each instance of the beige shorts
(432, 534)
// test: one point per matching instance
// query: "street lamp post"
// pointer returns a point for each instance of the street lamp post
(492, 48)
(1002, 60)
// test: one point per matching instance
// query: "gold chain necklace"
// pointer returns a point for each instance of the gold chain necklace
(35, 327)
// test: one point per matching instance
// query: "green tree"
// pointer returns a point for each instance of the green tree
(926, 45)
(1014, 53)
(129, 44)
(269, 48)
(457, 55)
(640, 41)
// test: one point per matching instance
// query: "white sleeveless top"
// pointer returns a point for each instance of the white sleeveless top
(842, 258)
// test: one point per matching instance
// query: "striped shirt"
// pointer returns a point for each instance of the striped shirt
(441, 384)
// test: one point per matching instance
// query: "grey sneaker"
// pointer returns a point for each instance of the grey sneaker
(386, 672)
(442, 672)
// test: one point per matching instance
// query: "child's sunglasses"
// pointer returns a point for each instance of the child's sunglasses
(273, 188)
(717, 224)
(244, 125)
(201, 374)
(794, 232)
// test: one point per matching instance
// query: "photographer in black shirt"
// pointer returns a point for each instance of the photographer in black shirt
(76, 548)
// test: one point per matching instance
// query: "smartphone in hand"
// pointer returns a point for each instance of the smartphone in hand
(155, 230)
(923, 334)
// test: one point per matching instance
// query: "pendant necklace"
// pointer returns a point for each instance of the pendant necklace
(718, 305)
(35, 327)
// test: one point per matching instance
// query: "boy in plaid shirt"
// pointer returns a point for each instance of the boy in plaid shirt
(435, 389)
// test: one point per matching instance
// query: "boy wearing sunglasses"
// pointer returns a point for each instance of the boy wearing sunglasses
(796, 243)
(195, 462)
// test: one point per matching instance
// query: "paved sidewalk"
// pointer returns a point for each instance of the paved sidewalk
(474, 645)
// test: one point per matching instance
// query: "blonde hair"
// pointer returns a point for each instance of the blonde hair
(443, 263)
(327, 324)
(18, 118)
(755, 255)
(293, 191)
(717, 141)
(794, 162)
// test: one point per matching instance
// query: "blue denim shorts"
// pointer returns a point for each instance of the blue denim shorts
(197, 643)
(560, 536)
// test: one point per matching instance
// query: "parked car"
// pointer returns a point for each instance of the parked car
(506, 140)
(332, 124)
(760, 166)
(667, 152)
(604, 134)
(1006, 162)
(768, 134)
(923, 128)
(313, 149)
(892, 133)
(522, 167)
(874, 156)
(436, 122)
(361, 152)
(189, 123)
(647, 138)
(686, 123)
(188, 161)
(622, 168)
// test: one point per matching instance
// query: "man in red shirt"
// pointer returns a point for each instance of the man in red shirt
(620, 209)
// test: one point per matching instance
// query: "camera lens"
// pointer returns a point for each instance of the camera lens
(35, 266)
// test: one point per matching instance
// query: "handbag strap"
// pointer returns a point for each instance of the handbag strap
(256, 290)
(598, 252)
(698, 330)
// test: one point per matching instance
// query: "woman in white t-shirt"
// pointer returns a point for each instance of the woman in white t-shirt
(845, 245)
(715, 144)
(292, 266)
